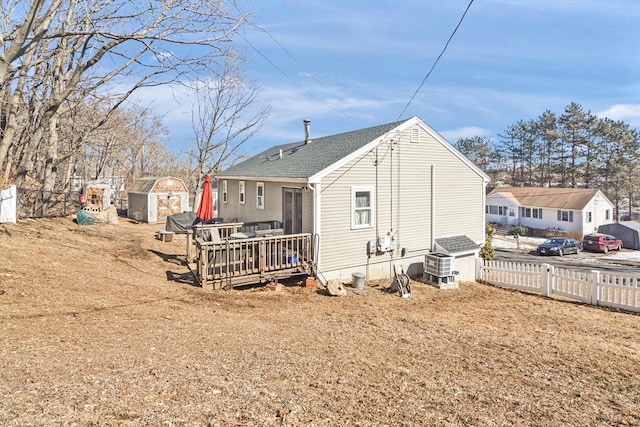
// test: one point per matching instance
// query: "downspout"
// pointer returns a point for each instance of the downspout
(315, 189)
(433, 207)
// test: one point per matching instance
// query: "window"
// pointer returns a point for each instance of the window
(589, 217)
(224, 191)
(531, 213)
(260, 195)
(241, 192)
(606, 214)
(565, 216)
(361, 207)
(497, 210)
(415, 134)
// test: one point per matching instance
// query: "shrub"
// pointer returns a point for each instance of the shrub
(519, 230)
(487, 252)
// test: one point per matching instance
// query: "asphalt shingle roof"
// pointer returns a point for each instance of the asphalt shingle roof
(300, 160)
(456, 244)
(549, 197)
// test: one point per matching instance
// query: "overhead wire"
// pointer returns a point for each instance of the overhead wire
(437, 60)
(291, 79)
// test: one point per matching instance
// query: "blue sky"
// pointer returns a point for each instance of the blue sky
(347, 65)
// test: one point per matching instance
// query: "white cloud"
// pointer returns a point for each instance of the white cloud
(453, 135)
(629, 113)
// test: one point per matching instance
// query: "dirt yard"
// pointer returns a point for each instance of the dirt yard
(101, 326)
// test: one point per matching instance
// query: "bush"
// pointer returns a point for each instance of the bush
(487, 252)
(519, 230)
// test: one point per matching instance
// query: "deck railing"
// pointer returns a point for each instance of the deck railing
(233, 262)
(224, 230)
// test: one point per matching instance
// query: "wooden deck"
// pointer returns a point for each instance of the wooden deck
(227, 262)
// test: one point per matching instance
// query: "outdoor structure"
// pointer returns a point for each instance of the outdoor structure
(97, 196)
(627, 231)
(228, 257)
(578, 210)
(373, 199)
(9, 204)
(153, 199)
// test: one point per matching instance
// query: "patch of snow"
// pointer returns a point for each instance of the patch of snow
(531, 243)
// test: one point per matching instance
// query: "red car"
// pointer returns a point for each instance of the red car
(601, 243)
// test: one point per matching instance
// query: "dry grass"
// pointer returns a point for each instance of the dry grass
(100, 326)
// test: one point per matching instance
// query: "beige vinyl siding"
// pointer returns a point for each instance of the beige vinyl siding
(458, 200)
(307, 211)
(340, 245)
(402, 202)
(414, 201)
(248, 212)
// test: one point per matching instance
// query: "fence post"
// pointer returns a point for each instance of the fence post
(479, 274)
(546, 271)
(594, 287)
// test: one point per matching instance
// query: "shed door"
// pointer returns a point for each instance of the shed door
(292, 210)
(168, 205)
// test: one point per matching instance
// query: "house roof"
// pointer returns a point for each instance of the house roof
(634, 225)
(300, 160)
(457, 244)
(547, 197)
(146, 184)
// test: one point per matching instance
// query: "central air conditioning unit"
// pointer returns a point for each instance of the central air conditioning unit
(439, 270)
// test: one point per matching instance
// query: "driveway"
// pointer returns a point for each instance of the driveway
(624, 261)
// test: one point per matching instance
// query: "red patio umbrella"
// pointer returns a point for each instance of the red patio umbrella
(205, 210)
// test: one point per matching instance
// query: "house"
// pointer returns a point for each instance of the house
(375, 198)
(627, 231)
(153, 199)
(572, 210)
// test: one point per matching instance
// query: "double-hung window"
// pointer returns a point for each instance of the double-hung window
(361, 207)
(565, 216)
(241, 192)
(260, 195)
(224, 191)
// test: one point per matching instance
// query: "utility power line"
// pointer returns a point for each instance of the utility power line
(291, 79)
(437, 59)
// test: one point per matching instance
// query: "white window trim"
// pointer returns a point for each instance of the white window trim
(355, 190)
(561, 215)
(259, 198)
(242, 194)
(225, 197)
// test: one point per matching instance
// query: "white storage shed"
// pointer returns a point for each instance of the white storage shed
(153, 199)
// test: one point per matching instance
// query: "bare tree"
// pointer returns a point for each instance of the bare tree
(225, 117)
(54, 54)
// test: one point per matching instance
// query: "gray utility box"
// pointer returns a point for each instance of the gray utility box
(439, 270)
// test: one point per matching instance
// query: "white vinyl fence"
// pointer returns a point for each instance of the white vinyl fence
(619, 290)
(8, 204)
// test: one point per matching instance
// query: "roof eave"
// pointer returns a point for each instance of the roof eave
(299, 180)
(317, 177)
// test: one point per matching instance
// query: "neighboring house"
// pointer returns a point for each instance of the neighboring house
(627, 231)
(375, 198)
(578, 210)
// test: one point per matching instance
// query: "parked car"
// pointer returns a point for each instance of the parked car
(601, 243)
(559, 246)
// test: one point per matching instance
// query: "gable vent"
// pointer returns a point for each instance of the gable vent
(415, 134)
